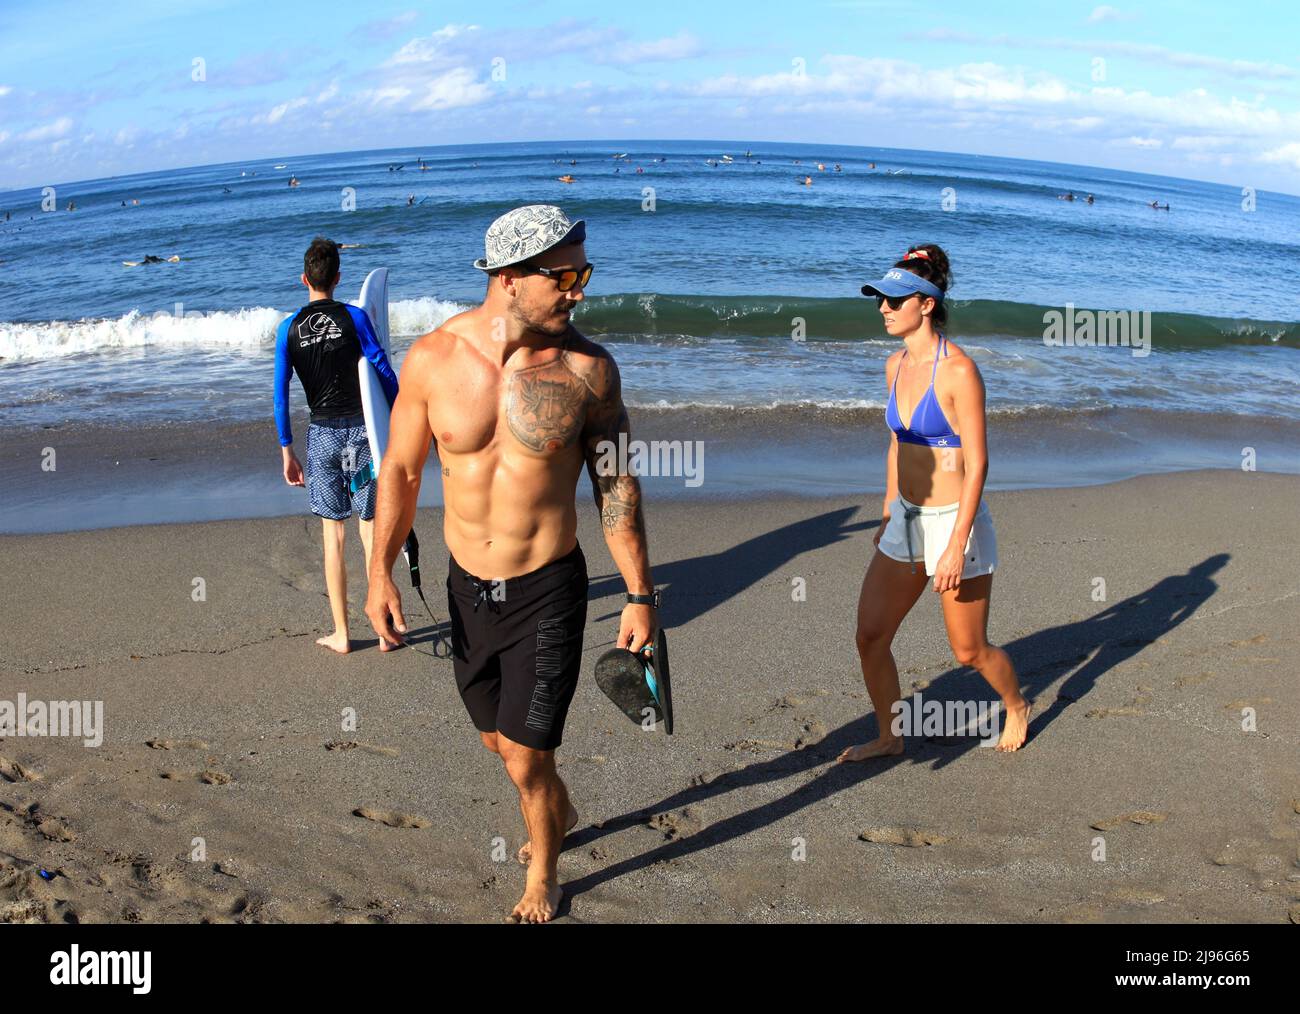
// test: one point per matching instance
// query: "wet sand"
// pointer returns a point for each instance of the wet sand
(228, 789)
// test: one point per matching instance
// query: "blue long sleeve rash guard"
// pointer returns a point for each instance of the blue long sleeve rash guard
(322, 343)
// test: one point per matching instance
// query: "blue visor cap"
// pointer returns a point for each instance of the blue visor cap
(898, 282)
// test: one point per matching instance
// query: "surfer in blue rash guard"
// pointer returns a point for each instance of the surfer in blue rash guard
(323, 342)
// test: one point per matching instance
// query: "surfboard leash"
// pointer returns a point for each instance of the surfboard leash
(411, 549)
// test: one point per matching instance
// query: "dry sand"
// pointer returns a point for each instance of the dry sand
(224, 723)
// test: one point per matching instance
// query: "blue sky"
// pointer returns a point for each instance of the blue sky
(1197, 89)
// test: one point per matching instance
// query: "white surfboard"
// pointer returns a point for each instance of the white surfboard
(374, 300)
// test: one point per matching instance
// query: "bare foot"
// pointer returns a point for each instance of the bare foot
(882, 747)
(336, 642)
(526, 849)
(540, 902)
(1016, 730)
(387, 646)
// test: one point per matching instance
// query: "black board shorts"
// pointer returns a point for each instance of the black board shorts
(517, 647)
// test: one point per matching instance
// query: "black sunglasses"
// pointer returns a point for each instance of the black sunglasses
(895, 302)
(565, 278)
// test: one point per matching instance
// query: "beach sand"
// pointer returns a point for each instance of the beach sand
(224, 723)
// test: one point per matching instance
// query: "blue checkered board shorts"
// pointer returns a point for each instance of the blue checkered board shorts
(337, 449)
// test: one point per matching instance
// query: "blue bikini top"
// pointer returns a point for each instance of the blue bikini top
(929, 426)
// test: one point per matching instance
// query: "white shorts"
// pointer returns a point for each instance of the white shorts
(931, 530)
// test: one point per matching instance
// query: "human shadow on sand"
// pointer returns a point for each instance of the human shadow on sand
(1080, 653)
(692, 587)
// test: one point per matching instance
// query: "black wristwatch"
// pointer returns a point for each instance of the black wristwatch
(644, 600)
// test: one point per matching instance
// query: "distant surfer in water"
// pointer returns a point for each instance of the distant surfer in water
(323, 343)
(515, 401)
(935, 529)
(151, 259)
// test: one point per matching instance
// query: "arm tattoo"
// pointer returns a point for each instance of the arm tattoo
(619, 500)
(618, 495)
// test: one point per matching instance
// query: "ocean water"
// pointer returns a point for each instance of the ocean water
(706, 274)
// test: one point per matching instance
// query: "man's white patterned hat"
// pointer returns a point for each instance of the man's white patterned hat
(526, 232)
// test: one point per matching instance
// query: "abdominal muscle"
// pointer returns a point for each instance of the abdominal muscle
(922, 478)
(509, 512)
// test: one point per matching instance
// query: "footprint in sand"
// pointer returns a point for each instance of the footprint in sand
(1192, 681)
(905, 837)
(1257, 639)
(390, 817)
(49, 827)
(338, 745)
(1136, 817)
(1137, 895)
(208, 777)
(25, 898)
(1111, 712)
(676, 825)
(12, 771)
(54, 829)
(175, 744)
(755, 745)
(811, 731)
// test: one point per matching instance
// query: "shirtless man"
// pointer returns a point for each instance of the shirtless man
(516, 400)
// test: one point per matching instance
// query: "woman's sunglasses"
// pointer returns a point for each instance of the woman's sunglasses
(565, 278)
(895, 302)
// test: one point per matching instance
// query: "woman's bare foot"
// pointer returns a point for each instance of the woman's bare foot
(881, 747)
(526, 849)
(1016, 730)
(336, 642)
(387, 646)
(540, 902)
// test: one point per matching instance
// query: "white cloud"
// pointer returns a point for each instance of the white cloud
(681, 46)
(1142, 51)
(432, 48)
(1142, 142)
(451, 90)
(1287, 154)
(5, 90)
(1200, 143)
(382, 97)
(1107, 13)
(1006, 94)
(127, 136)
(384, 28)
(278, 112)
(49, 132)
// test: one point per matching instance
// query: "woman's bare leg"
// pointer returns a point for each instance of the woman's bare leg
(889, 590)
(966, 615)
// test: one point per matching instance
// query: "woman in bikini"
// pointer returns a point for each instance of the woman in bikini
(935, 528)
